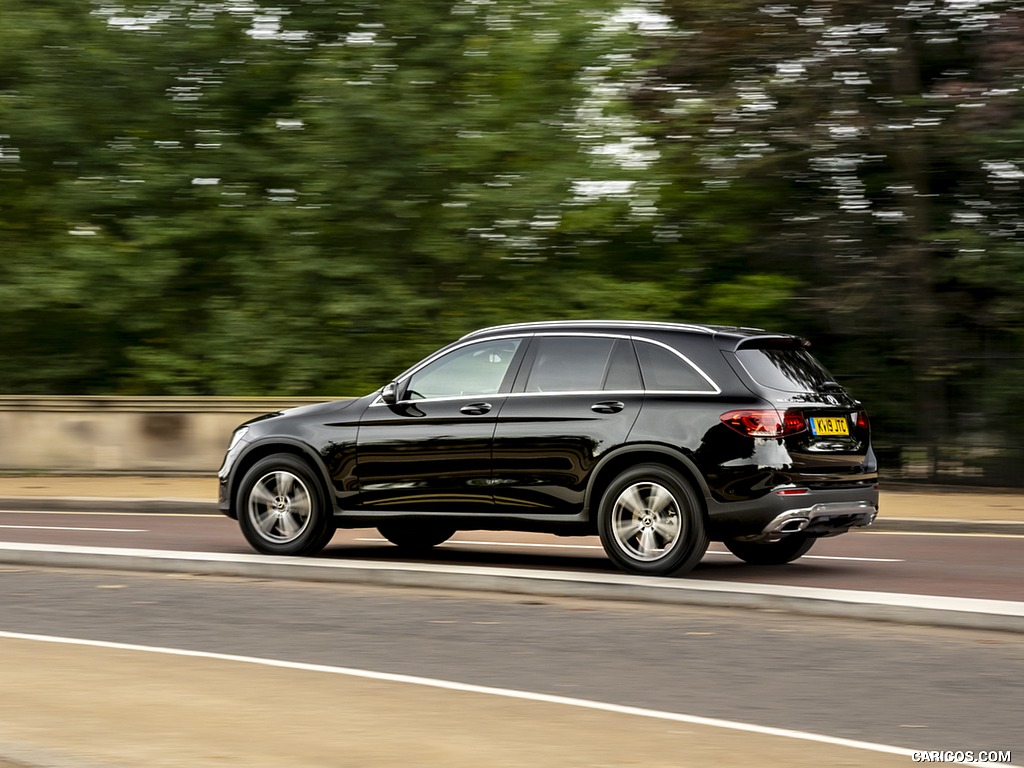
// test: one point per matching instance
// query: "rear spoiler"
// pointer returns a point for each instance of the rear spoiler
(772, 340)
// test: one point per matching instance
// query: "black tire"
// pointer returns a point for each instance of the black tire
(282, 509)
(651, 522)
(416, 536)
(784, 550)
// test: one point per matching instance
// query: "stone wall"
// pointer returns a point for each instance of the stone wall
(124, 434)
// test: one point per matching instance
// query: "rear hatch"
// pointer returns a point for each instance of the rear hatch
(835, 445)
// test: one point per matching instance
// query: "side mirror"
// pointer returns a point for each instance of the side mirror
(390, 393)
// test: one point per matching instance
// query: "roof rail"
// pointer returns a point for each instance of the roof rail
(594, 323)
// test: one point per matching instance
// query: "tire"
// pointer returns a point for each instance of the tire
(651, 522)
(784, 550)
(282, 509)
(416, 536)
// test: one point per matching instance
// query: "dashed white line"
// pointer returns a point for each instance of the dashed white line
(838, 557)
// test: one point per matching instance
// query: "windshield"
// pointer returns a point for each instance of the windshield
(789, 369)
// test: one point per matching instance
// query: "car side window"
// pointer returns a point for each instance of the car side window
(623, 372)
(569, 364)
(476, 369)
(665, 371)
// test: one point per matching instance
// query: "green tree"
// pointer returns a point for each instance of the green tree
(229, 199)
(870, 150)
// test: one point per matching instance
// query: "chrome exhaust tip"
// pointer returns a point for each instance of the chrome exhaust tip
(793, 525)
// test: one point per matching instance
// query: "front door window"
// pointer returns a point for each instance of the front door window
(476, 369)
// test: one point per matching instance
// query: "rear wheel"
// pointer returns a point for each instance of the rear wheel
(281, 507)
(650, 522)
(417, 536)
(784, 550)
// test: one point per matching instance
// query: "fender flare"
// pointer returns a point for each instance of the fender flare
(673, 454)
(302, 448)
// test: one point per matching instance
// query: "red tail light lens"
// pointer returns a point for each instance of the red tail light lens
(862, 421)
(768, 423)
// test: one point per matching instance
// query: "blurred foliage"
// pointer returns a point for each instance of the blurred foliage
(875, 150)
(306, 196)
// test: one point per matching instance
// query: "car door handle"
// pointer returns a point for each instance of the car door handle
(475, 409)
(608, 406)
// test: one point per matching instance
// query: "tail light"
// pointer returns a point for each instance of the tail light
(767, 422)
(861, 419)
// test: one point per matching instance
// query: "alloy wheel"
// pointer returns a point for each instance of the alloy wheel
(280, 507)
(646, 521)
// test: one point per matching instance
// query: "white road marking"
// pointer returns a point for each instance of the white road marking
(837, 557)
(110, 514)
(68, 528)
(479, 689)
(217, 516)
(467, 542)
(942, 610)
(943, 533)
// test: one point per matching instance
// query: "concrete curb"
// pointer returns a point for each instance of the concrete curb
(926, 610)
(205, 506)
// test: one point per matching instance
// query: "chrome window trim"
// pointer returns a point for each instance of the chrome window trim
(605, 393)
(716, 390)
(602, 393)
(451, 398)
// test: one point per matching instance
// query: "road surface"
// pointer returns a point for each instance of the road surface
(912, 688)
(960, 565)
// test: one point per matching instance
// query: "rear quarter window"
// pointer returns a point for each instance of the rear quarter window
(665, 371)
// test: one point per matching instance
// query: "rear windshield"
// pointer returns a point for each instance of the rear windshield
(790, 369)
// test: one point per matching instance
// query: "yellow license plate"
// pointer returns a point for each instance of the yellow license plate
(830, 425)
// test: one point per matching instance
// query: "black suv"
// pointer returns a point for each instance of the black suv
(658, 437)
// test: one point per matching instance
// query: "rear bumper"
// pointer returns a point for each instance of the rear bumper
(815, 513)
(822, 519)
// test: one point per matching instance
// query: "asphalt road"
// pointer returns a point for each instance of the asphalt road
(913, 687)
(961, 565)
(910, 687)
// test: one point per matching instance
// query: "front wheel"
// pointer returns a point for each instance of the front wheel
(784, 550)
(651, 522)
(281, 507)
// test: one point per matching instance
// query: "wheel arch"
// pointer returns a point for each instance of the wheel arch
(260, 450)
(622, 459)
